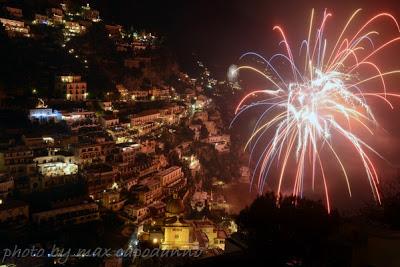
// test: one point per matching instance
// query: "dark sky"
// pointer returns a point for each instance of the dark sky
(219, 31)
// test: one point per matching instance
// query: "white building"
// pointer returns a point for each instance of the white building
(44, 115)
(79, 116)
(145, 117)
(79, 119)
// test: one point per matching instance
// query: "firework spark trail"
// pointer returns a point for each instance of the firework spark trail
(304, 111)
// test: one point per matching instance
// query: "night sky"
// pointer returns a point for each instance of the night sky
(220, 31)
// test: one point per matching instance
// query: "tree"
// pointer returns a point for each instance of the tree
(184, 133)
(290, 230)
(203, 132)
(142, 158)
(173, 158)
(389, 212)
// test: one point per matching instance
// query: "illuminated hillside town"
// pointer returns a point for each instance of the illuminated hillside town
(110, 140)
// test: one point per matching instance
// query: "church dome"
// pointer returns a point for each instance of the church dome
(174, 206)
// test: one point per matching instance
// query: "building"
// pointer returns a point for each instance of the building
(148, 191)
(201, 102)
(147, 169)
(109, 121)
(90, 14)
(172, 179)
(127, 152)
(79, 116)
(55, 169)
(211, 127)
(114, 31)
(6, 186)
(215, 236)
(144, 117)
(111, 200)
(137, 213)
(15, 28)
(201, 115)
(99, 178)
(148, 146)
(170, 175)
(112, 262)
(56, 15)
(72, 86)
(17, 161)
(158, 93)
(245, 174)
(196, 128)
(72, 28)
(106, 105)
(220, 142)
(41, 19)
(87, 153)
(200, 201)
(106, 143)
(122, 91)
(223, 138)
(55, 11)
(177, 233)
(139, 95)
(13, 213)
(44, 115)
(14, 12)
(33, 141)
(129, 182)
(80, 119)
(127, 173)
(137, 62)
(64, 216)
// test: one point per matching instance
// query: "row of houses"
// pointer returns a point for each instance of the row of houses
(17, 25)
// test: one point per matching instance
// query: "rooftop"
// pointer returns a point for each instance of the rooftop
(146, 113)
(12, 204)
(169, 170)
(100, 167)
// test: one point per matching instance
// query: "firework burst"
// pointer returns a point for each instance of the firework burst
(322, 97)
